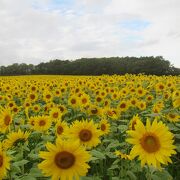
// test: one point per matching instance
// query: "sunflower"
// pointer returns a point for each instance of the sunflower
(47, 96)
(122, 155)
(73, 101)
(94, 110)
(31, 121)
(133, 122)
(32, 97)
(64, 160)
(140, 92)
(84, 100)
(62, 108)
(61, 128)
(42, 123)
(36, 108)
(110, 113)
(153, 143)
(149, 98)
(86, 132)
(141, 105)
(176, 103)
(123, 106)
(4, 163)
(173, 117)
(55, 114)
(5, 119)
(133, 101)
(104, 126)
(160, 87)
(14, 138)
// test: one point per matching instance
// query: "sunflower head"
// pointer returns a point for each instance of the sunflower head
(66, 159)
(104, 126)
(87, 132)
(4, 163)
(153, 143)
(14, 138)
(5, 119)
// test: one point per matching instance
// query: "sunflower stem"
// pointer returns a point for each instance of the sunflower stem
(148, 175)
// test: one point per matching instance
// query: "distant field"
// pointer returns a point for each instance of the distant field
(90, 127)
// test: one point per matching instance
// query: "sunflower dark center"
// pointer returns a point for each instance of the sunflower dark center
(64, 160)
(98, 99)
(150, 143)
(33, 88)
(1, 161)
(11, 105)
(42, 122)
(172, 116)
(32, 96)
(161, 87)
(103, 127)
(55, 115)
(73, 101)
(133, 102)
(94, 111)
(48, 96)
(15, 109)
(123, 105)
(85, 135)
(60, 130)
(7, 120)
(61, 109)
(84, 100)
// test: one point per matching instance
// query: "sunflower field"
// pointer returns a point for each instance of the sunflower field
(90, 127)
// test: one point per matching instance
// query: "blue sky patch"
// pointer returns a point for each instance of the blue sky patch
(136, 25)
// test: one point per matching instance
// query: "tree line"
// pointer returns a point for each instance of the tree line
(95, 66)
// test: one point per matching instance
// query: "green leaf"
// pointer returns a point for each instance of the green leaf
(97, 154)
(33, 156)
(113, 145)
(155, 177)
(131, 175)
(115, 166)
(28, 178)
(20, 163)
(35, 172)
(122, 128)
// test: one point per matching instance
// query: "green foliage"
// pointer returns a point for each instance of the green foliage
(95, 66)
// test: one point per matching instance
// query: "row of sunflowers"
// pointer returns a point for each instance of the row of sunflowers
(90, 127)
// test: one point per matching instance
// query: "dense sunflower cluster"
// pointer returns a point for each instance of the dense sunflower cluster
(72, 127)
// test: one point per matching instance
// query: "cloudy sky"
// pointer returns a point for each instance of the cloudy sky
(34, 31)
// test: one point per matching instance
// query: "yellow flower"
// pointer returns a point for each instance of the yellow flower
(84, 100)
(176, 103)
(104, 126)
(42, 123)
(14, 138)
(4, 163)
(153, 143)
(86, 132)
(55, 114)
(134, 121)
(73, 101)
(123, 106)
(5, 119)
(173, 117)
(122, 155)
(61, 128)
(65, 160)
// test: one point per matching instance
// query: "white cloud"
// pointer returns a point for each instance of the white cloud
(32, 32)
